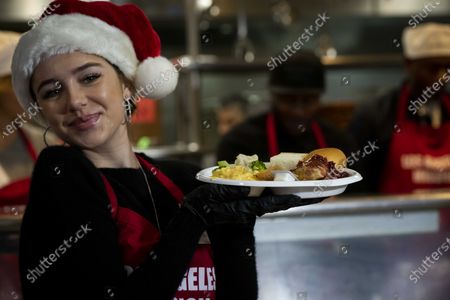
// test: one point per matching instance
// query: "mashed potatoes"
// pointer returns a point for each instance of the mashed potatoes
(235, 173)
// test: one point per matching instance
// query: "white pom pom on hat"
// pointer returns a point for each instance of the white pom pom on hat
(163, 74)
(121, 34)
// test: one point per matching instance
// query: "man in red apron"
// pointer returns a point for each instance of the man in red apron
(291, 125)
(412, 123)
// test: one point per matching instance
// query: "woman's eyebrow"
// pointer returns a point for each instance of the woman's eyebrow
(74, 71)
(45, 82)
(85, 66)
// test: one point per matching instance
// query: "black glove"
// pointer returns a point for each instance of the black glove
(222, 204)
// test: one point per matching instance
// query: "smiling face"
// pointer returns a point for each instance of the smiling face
(81, 97)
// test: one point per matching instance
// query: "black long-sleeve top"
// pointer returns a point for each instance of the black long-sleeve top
(69, 247)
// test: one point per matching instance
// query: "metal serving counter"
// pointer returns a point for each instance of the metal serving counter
(374, 248)
(361, 249)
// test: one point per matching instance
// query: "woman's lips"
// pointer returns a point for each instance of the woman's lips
(85, 122)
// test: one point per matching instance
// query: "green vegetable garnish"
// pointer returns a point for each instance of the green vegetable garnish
(257, 165)
(222, 164)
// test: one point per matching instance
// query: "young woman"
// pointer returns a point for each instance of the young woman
(102, 221)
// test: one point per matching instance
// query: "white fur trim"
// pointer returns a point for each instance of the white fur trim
(60, 34)
(156, 77)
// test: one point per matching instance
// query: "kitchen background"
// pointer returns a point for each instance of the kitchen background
(226, 46)
(360, 248)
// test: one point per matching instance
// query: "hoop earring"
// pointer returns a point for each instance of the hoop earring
(45, 138)
(127, 111)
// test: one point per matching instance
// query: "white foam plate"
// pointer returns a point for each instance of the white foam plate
(284, 184)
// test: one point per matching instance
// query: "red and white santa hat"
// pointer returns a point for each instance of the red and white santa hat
(121, 34)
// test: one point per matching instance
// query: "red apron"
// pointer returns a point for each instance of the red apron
(272, 141)
(419, 157)
(137, 236)
(16, 192)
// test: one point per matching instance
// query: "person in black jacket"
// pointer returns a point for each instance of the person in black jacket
(291, 125)
(411, 124)
(102, 221)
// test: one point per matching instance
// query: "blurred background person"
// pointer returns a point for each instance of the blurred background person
(21, 141)
(292, 124)
(233, 110)
(411, 124)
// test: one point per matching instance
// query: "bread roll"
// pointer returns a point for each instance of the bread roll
(331, 154)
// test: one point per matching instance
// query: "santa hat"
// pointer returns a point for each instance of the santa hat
(8, 42)
(120, 34)
(426, 41)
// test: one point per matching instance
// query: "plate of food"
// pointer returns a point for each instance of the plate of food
(320, 173)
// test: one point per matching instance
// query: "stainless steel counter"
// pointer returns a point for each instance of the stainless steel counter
(362, 249)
